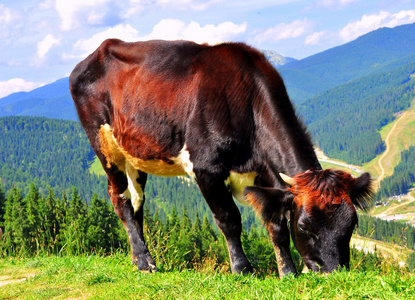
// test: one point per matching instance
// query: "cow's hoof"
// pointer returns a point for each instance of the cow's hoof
(245, 269)
(151, 269)
(144, 266)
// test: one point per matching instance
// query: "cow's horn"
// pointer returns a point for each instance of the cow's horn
(287, 179)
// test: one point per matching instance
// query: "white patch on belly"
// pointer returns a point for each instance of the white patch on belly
(115, 154)
(134, 190)
(237, 183)
(184, 160)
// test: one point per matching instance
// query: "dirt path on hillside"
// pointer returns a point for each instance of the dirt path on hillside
(387, 144)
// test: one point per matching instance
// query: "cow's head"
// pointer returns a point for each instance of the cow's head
(320, 206)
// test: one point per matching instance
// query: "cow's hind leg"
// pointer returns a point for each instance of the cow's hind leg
(128, 205)
(227, 217)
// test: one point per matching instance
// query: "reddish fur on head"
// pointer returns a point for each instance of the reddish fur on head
(323, 189)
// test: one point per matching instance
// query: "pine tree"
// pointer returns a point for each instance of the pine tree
(101, 232)
(207, 230)
(16, 227)
(173, 221)
(2, 207)
(49, 227)
(148, 219)
(74, 235)
(185, 243)
(33, 218)
(197, 237)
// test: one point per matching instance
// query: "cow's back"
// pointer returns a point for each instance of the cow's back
(159, 98)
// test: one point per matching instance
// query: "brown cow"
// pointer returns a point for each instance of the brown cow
(220, 114)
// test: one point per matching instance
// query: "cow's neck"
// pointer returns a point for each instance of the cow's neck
(287, 146)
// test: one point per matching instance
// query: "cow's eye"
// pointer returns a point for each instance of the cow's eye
(302, 228)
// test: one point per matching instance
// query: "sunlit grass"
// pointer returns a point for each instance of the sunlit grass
(112, 277)
(96, 167)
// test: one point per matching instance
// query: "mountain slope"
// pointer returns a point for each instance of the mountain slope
(373, 52)
(345, 121)
(47, 152)
(52, 101)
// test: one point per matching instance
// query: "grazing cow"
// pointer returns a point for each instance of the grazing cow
(220, 114)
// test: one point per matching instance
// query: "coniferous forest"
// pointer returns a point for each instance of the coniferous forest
(403, 176)
(345, 121)
(49, 153)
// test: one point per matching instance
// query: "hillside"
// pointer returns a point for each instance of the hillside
(52, 101)
(377, 51)
(373, 78)
(345, 121)
(46, 152)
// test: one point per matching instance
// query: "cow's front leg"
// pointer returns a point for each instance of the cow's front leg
(227, 217)
(280, 237)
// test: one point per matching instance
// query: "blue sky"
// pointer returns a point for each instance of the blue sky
(43, 40)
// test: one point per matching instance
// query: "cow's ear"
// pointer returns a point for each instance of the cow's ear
(361, 193)
(269, 203)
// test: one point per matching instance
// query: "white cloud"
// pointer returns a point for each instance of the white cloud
(6, 15)
(372, 22)
(334, 3)
(285, 31)
(167, 29)
(171, 29)
(317, 37)
(123, 32)
(73, 13)
(46, 4)
(182, 5)
(46, 44)
(17, 85)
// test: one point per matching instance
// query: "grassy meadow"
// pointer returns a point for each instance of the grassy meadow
(112, 277)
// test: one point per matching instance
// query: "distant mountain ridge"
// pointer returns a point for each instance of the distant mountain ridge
(52, 100)
(277, 59)
(373, 52)
(377, 51)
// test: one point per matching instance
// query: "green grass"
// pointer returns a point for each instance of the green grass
(96, 167)
(112, 277)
